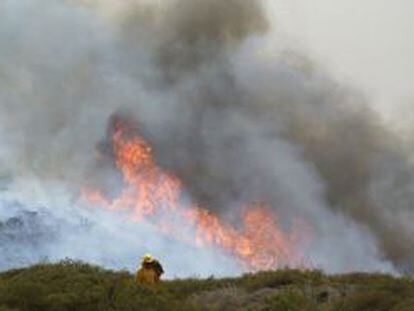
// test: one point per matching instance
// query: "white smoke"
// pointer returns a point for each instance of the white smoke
(223, 97)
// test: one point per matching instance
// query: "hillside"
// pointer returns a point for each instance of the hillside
(70, 285)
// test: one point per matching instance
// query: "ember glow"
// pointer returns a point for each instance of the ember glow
(152, 193)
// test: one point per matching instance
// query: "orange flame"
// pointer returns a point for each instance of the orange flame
(151, 191)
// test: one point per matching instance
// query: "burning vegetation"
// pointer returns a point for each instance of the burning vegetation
(239, 135)
(152, 193)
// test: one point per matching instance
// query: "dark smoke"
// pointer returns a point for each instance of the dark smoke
(225, 113)
(234, 124)
(198, 32)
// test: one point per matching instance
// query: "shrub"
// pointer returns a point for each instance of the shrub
(76, 286)
(290, 299)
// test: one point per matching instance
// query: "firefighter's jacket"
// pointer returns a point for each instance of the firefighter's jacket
(146, 276)
(149, 273)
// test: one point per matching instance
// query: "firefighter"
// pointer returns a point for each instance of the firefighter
(150, 271)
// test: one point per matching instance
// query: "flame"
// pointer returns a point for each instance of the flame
(151, 192)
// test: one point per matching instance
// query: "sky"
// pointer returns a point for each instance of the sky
(368, 44)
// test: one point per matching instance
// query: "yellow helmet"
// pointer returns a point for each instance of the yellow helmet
(147, 258)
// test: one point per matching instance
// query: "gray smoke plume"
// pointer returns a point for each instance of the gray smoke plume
(234, 124)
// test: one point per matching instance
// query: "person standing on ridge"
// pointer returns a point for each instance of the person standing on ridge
(150, 271)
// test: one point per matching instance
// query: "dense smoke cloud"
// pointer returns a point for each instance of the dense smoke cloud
(234, 124)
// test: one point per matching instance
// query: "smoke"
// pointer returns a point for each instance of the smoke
(234, 121)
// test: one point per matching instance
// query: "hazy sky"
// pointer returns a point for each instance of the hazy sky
(369, 43)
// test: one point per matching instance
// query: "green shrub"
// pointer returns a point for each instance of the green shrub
(77, 286)
(290, 299)
(28, 296)
(280, 278)
(369, 300)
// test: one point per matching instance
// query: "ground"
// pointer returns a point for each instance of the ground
(70, 286)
